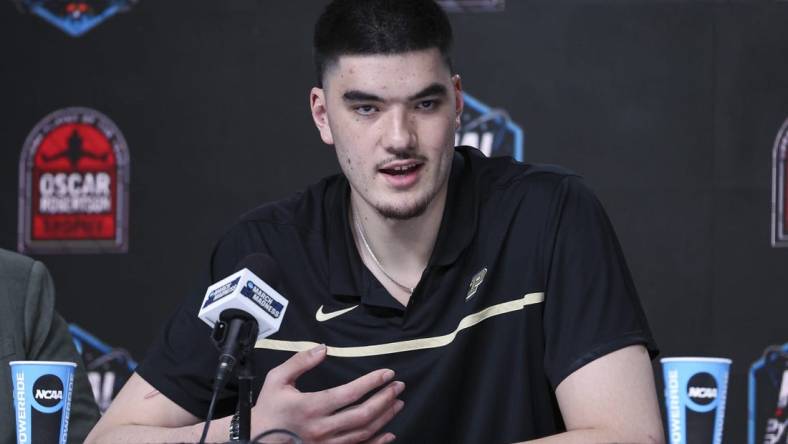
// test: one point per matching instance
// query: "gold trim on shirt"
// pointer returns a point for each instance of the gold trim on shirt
(412, 344)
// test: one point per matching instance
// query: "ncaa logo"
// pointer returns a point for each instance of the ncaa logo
(702, 392)
(780, 188)
(48, 391)
(75, 17)
(490, 130)
(73, 185)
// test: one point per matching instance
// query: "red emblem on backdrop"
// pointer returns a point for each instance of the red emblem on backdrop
(73, 185)
(780, 188)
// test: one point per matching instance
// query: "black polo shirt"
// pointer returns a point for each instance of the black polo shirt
(526, 284)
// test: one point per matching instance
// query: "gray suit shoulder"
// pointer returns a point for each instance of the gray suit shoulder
(15, 275)
(14, 265)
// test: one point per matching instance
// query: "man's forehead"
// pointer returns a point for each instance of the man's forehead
(401, 74)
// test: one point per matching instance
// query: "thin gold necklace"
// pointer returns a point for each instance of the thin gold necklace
(360, 230)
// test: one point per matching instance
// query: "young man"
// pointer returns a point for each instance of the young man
(461, 299)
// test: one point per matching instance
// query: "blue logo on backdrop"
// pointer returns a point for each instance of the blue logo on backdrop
(75, 17)
(491, 130)
(108, 367)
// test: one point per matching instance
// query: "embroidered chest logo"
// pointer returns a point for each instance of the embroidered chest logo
(322, 316)
(475, 282)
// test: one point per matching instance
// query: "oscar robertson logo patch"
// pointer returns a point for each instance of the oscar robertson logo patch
(73, 185)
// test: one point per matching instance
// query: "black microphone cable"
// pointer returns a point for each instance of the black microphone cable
(209, 418)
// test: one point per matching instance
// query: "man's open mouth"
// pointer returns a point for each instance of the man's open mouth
(401, 170)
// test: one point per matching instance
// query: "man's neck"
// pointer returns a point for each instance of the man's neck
(401, 246)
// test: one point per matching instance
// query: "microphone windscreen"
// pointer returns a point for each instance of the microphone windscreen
(251, 289)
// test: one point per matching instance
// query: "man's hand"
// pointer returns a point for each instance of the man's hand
(326, 416)
(141, 414)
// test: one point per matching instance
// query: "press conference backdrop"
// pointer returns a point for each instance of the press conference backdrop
(670, 110)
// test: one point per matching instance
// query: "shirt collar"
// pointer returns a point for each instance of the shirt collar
(344, 263)
(457, 229)
(458, 225)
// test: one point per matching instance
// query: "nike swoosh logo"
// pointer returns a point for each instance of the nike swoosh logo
(323, 317)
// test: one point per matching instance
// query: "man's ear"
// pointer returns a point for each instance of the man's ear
(459, 100)
(317, 104)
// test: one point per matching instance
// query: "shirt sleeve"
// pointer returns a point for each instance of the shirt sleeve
(591, 305)
(47, 339)
(181, 363)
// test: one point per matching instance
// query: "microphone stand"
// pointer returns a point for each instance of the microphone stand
(245, 379)
(235, 335)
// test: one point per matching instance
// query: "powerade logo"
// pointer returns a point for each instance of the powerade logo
(674, 408)
(21, 409)
(221, 292)
(75, 17)
(262, 299)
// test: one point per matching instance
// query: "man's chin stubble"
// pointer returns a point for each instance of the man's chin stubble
(400, 213)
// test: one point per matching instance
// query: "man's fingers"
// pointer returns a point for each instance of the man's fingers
(369, 413)
(368, 431)
(337, 397)
(361, 422)
(298, 364)
(382, 439)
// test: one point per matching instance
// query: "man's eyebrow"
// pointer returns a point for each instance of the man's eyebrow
(436, 89)
(354, 95)
(360, 96)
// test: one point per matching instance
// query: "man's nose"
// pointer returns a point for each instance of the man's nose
(399, 132)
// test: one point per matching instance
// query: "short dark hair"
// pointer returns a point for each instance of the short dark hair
(360, 27)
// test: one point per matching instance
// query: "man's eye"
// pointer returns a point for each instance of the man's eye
(365, 110)
(427, 104)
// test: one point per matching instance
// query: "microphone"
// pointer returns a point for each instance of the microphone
(243, 308)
